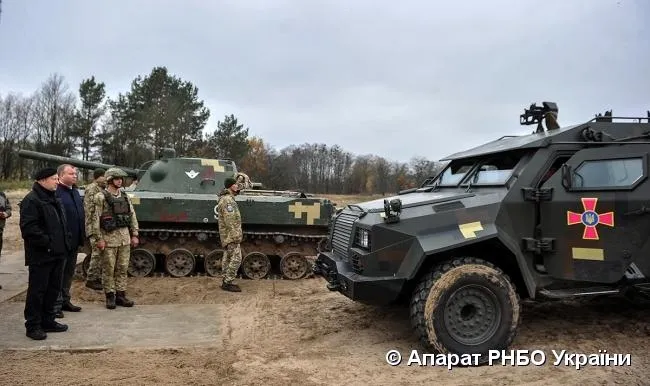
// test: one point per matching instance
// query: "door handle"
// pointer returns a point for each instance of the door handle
(642, 210)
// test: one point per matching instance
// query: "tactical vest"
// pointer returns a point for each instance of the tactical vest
(118, 214)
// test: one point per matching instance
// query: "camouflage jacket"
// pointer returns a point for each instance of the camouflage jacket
(118, 237)
(5, 206)
(230, 230)
(89, 206)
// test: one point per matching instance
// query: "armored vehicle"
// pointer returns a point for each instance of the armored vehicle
(558, 213)
(175, 201)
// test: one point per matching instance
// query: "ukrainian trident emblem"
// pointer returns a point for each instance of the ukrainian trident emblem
(590, 218)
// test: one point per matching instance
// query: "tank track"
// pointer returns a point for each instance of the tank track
(170, 252)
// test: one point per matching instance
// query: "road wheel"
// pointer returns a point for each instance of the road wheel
(465, 306)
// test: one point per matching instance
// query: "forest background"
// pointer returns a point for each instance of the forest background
(162, 110)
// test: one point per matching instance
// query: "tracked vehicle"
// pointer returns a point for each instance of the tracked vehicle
(175, 202)
(560, 213)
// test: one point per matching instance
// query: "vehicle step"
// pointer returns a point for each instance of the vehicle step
(576, 292)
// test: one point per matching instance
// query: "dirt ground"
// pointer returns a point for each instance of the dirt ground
(279, 332)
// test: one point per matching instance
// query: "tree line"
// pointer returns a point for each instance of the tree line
(162, 110)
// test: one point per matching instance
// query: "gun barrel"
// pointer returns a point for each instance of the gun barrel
(55, 159)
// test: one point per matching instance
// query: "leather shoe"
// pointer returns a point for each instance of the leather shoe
(59, 315)
(36, 334)
(70, 307)
(54, 327)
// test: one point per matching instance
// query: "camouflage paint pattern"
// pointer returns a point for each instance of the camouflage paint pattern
(95, 266)
(115, 262)
(118, 237)
(231, 262)
(230, 230)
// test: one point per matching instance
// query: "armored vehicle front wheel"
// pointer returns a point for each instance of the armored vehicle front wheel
(466, 306)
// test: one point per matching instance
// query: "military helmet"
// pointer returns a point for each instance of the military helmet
(114, 172)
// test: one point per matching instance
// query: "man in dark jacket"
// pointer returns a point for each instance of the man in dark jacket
(74, 213)
(5, 213)
(47, 244)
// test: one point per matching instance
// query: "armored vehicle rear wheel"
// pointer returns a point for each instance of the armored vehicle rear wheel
(256, 265)
(142, 263)
(466, 306)
(293, 266)
(179, 262)
(212, 262)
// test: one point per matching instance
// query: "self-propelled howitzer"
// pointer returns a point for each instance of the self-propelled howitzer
(175, 201)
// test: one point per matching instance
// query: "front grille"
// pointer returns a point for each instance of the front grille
(356, 266)
(341, 234)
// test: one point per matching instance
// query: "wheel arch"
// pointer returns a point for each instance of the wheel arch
(491, 250)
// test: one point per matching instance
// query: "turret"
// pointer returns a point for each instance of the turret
(168, 174)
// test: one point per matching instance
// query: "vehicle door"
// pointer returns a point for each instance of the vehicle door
(596, 214)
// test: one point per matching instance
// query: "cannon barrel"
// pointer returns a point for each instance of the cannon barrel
(73, 161)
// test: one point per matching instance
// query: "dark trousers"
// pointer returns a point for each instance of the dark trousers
(68, 273)
(43, 288)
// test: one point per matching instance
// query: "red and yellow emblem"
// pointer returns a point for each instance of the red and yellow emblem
(590, 218)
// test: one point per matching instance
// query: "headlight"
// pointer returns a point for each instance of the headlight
(363, 238)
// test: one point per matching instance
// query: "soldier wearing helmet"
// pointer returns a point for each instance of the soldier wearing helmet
(114, 231)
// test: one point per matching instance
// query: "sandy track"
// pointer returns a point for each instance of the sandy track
(282, 332)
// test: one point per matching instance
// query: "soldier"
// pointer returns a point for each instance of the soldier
(114, 230)
(230, 233)
(93, 280)
(5, 213)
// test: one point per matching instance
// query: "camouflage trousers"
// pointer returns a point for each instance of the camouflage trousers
(115, 263)
(230, 263)
(95, 266)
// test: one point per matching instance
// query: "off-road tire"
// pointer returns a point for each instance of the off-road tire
(491, 286)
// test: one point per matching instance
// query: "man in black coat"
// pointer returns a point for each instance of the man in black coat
(47, 243)
(74, 212)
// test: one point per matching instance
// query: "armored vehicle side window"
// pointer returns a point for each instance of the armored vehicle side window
(612, 173)
(496, 171)
(454, 173)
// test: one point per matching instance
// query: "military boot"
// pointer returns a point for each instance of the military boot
(121, 300)
(94, 284)
(110, 300)
(230, 287)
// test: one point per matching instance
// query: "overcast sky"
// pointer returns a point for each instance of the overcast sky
(392, 78)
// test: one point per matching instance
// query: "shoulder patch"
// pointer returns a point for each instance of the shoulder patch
(230, 208)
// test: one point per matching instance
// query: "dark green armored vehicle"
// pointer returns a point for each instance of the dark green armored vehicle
(559, 213)
(175, 201)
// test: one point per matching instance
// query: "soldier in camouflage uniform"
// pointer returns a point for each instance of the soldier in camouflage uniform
(93, 280)
(230, 233)
(114, 231)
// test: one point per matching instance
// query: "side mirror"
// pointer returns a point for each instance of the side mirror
(566, 176)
